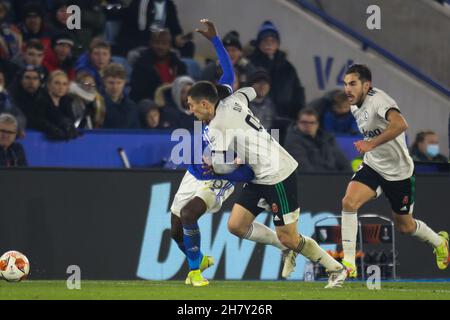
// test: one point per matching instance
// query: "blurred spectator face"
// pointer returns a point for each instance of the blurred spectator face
(234, 53)
(269, 46)
(184, 96)
(152, 118)
(430, 145)
(100, 57)
(8, 133)
(31, 81)
(58, 86)
(2, 81)
(63, 51)
(34, 57)
(114, 87)
(355, 89)
(262, 88)
(160, 44)
(33, 22)
(62, 15)
(87, 82)
(341, 108)
(308, 124)
(3, 12)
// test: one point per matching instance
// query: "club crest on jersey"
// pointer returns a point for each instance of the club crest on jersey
(274, 208)
(371, 133)
(365, 116)
(405, 200)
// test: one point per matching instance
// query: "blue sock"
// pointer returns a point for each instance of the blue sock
(191, 237)
(183, 249)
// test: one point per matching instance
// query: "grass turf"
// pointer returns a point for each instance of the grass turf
(220, 290)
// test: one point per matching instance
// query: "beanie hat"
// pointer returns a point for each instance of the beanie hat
(232, 39)
(268, 29)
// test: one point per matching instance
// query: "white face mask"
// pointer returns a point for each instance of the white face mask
(432, 150)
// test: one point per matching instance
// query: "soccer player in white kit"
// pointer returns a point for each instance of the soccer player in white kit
(200, 192)
(237, 136)
(387, 167)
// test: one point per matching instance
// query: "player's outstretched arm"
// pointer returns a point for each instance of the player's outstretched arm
(397, 125)
(225, 63)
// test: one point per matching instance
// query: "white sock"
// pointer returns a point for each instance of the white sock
(311, 250)
(424, 233)
(260, 233)
(349, 229)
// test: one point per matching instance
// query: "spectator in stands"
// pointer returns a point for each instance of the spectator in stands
(9, 69)
(339, 120)
(26, 91)
(33, 24)
(10, 36)
(33, 54)
(59, 56)
(174, 100)
(7, 106)
(121, 111)
(156, 66)
(426, 148)
(243, 68)
(92, 20)
(262, 106)
(143, 16)
(314, 149)
(95, 60)
(53, 113)
(88, 106)
(324, 103)
(286, 92)
(155, 117)
(12, 153)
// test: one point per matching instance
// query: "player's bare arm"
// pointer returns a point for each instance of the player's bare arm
(397, 125)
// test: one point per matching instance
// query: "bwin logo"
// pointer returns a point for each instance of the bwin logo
(372, 133)
(229, 251)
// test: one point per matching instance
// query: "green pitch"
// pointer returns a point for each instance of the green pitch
(220, 290)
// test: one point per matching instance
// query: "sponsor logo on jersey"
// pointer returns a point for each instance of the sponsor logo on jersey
(371, 133)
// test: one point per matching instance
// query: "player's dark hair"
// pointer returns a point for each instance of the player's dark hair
(222, 91)
(362, 70)
(204, 90)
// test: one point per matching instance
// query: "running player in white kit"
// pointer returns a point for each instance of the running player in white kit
(387, 167)
(236, 135)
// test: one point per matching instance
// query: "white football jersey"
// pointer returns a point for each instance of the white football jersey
(235, 130)
(391, 159)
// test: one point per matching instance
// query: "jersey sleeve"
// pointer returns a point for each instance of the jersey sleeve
(384, 104)
(227, 78)
(220, 137)
(245, 95)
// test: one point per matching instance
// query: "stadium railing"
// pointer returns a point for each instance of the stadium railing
(367, 43)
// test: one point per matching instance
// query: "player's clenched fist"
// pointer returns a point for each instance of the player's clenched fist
(210, 31)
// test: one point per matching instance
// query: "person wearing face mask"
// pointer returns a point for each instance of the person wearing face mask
(426, 148)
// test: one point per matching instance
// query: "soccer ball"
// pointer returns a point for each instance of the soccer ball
(14, 266)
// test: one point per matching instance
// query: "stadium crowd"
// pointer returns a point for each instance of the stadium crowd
(125, 70)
